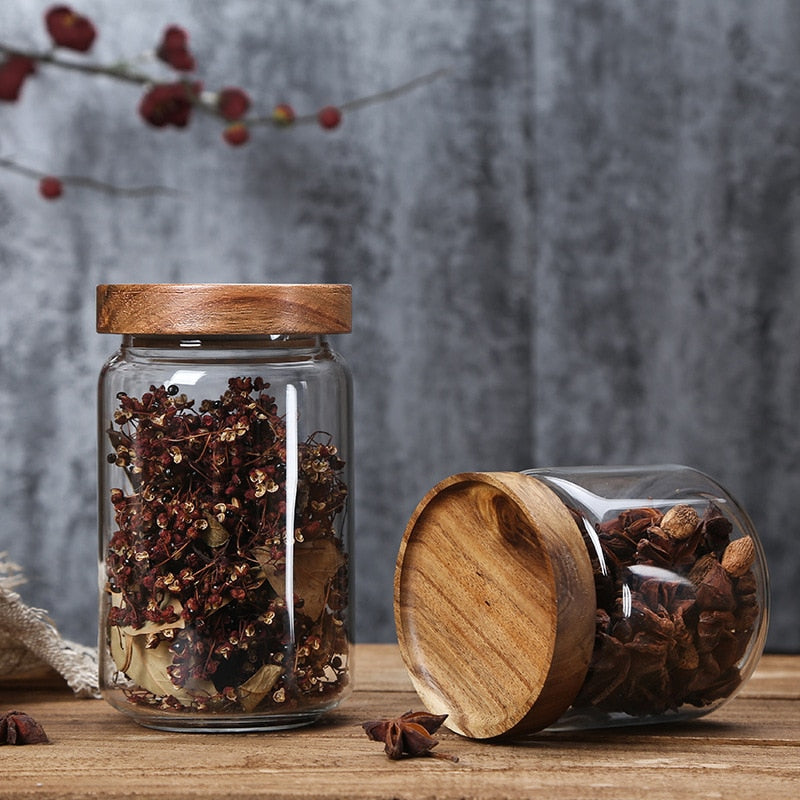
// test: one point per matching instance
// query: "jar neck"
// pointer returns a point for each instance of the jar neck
(226, 342)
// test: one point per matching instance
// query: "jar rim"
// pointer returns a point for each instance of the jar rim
(224, 308)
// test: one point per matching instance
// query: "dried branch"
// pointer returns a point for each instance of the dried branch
(164, 103)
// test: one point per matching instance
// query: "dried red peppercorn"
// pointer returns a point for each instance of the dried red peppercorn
(197, 610)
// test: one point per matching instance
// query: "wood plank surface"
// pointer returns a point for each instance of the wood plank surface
(750, 746)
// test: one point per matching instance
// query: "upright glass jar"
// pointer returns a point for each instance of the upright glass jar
(225, 505)
(584, 597)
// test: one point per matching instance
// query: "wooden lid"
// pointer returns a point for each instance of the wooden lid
(169, 309)
(494, 604)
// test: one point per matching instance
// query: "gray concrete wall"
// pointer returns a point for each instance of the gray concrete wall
(582, 245)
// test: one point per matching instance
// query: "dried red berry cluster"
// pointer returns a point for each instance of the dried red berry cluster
(169, 104)
(197, 614)
(163, 104)
(675, 634)
(174, 49)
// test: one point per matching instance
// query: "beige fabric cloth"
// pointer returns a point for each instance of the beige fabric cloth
(30, 643)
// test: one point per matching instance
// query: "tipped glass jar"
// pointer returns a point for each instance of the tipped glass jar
(572, 598)
(225, 516)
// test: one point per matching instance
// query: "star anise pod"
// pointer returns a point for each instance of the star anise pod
(409, 735)
(16, 727)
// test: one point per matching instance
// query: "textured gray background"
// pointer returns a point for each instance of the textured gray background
(581, 246)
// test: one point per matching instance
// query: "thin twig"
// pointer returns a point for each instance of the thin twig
(121, 71)
(89, 183)
(367, 100)
(397, 91)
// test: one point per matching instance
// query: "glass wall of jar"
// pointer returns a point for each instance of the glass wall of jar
(225, 505)
(585, 597)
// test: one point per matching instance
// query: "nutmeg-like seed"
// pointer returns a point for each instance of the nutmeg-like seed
(739, 556)
(680, 522)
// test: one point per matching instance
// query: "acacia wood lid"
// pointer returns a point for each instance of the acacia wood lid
(169, 309)
(494, 604)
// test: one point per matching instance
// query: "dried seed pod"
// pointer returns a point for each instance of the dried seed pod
(712, 584)
(17, 727)
(680, 522)
(739, 556)
(701, 568)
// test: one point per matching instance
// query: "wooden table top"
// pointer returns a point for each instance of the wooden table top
(749, 747)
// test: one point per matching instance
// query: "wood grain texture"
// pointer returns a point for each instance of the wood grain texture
(495, 604)
(223, 309)
(747, 747)
(580, 246)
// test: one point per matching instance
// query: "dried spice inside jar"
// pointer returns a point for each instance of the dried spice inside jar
(197, 567)
(676, 610)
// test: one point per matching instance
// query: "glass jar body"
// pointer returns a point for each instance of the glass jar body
(225, 511)
(681, 588)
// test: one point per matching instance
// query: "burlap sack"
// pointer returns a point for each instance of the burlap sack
(30, 645)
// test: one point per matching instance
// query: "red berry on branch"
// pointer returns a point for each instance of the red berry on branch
(283, 114)
(329, 117)
(233, 103)
(175, 38)
(68, 29)
(13, 72)
(236, 134)
(50, 188)
(169, 104)
(174, 49)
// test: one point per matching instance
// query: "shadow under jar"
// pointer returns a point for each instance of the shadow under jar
(575, 598)
(225, 505)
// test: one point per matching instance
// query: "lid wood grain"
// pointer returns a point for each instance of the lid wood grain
(494, 604)
(223, 309)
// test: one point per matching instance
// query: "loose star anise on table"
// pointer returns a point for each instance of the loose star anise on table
(409, 735)
(17, 727)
